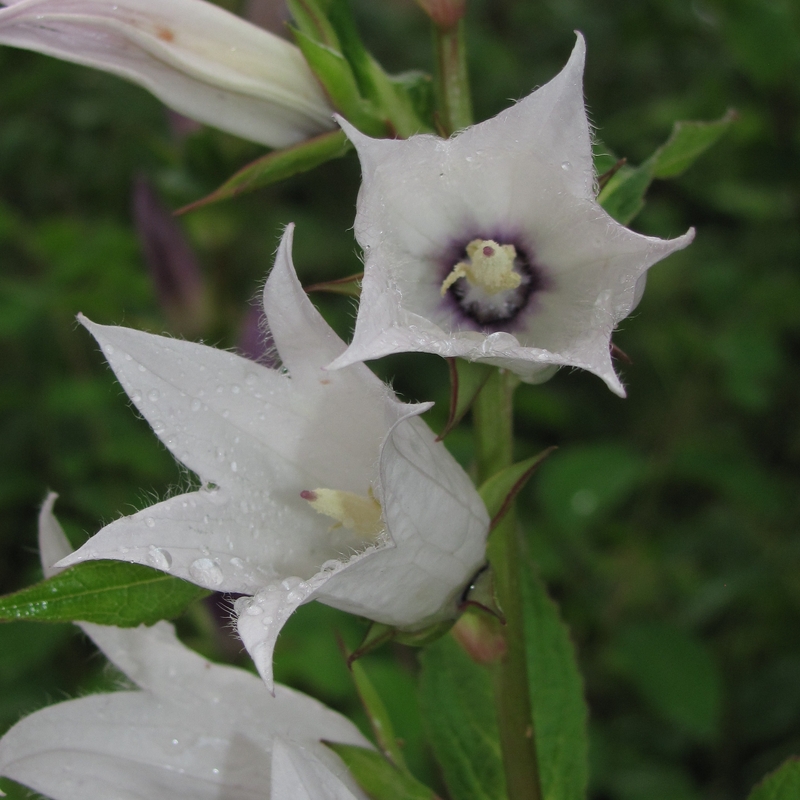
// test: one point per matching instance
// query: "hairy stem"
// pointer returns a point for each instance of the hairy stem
(493, 419)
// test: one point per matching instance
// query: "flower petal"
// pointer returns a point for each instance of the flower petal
(295, 776)
(197, 58)
(438, 525)
(53, 543)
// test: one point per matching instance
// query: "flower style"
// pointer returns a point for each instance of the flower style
(315, 485)
(192, 731)
(491, 245)
(194, 56)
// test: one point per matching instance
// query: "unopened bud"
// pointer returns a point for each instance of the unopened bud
(444, 13)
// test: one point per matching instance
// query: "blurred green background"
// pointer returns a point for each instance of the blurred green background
(665, 524)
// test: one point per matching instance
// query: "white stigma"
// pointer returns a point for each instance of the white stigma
(362, 515)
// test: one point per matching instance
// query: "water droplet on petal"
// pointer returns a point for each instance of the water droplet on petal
(158, 558)
(205, 572)
(254, 610)
(234, 466)
(109, 348)
(150, 522)
(153, 395)
(196, 405)
(566, 166)
(235, 388)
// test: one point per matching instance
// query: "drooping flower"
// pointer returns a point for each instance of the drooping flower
(491, 245)
(191, 730)
(197, 58)
(315, 485)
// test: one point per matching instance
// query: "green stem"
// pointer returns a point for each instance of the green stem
(453, 85)
(493, 419)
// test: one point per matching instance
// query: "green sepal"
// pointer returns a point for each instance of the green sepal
(379, 719)
(783, 784)
(105, 592)
(623, 196)
(556, 690)
(466, 380)
(457, 703)
(499, 491)
(380, 779)
(378, 634)
(336, 76)
(349, 286)
(312, 19)
(277, 166)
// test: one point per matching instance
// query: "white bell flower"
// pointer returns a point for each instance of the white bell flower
(192, 730)
(197, 58)
(491, 245)
(314, 485)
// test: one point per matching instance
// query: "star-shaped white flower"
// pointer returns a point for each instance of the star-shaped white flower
(315, 485)
(192, 730)
(491, 245)
(194, 56)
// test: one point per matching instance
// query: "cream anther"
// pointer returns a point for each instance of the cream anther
(357, 513)
(490, 266)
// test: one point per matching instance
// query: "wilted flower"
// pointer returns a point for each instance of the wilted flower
(315, 485)
(491, 245)
(194, 56)
(191, 730)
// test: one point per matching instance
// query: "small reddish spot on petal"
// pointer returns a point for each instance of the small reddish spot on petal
(488, 251)
(165, 34)
(325, 381)
(307, 494)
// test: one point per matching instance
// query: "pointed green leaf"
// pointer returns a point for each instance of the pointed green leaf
(556, 687)
(623, 195)
(105, 592)
(377, 777)
(687, 142)
(378, 716)
(277, 166)
(499, 491)
(783, 784)
(457, 704)
(466, 380)
(340, 83)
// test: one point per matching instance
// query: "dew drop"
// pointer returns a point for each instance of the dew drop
(566, 166)
(136, 396)
(150, 522)
(254, 610)
(235, 388)
(196, 405)
(153, 395)
(234, 466)
(159, 558)
(109, 348)
(237, 562)
(205, 572)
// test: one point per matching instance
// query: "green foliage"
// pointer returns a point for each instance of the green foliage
(623, 196)
(105, 592)
(457, 704)
(675, 674)
(380, 779)
(556, 689)
(783, 784)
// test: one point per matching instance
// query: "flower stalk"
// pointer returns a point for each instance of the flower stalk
(494, 438)
(455, 103)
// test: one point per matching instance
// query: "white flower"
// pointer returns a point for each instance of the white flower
(491, 245)
(194, 56)
(192, 731)
(315, 485)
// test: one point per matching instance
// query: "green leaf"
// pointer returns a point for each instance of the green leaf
(457, 704)
(378, 716)
(623, 196)
(377, 777)
(675, 674)
(336, 75)
(687, 142)
(556, 687)
(783, 784)
(466, 380)
(105, 592)
(277, 166)
(499, 492)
